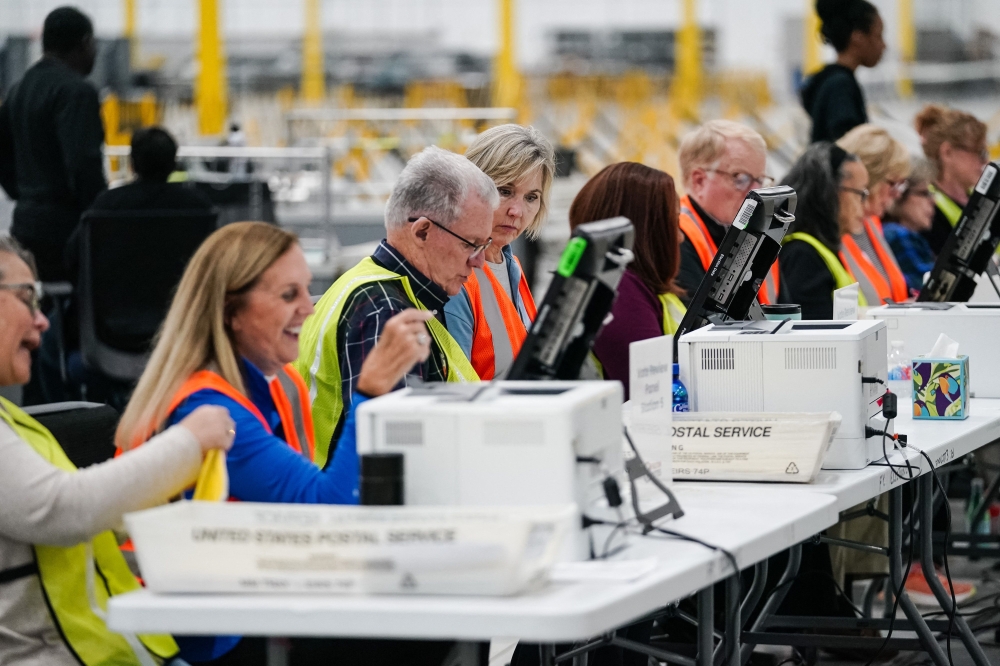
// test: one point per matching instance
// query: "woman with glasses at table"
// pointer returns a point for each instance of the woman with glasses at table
(955, 143)
(491, 315)
(909, 217)
(831, 185)
(56, 520)
(867, 255)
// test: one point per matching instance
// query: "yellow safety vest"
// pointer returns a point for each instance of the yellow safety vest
(63, 572)
(840, 275)
(318, 361)
(951, 210)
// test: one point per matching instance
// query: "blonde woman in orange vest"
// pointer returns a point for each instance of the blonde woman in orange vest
(490, 317)
(721, 161)
(867, 255)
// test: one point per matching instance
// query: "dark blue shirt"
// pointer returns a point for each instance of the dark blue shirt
(261, 465)
(913, 253)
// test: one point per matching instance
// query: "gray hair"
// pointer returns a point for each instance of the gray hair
(8, 245)
(434, 184)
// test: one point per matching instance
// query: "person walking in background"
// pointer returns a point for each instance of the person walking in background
(491, 316)
(832, 97)
(955, 143)
(51, 140)
(907, 220)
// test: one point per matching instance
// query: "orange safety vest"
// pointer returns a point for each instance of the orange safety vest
(861, 267)
(495, 311)
(291, 399)
(696, 232)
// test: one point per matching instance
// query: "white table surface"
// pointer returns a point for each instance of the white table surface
(753, 522)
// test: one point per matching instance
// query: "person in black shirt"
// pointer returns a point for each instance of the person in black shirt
(154, 158)
(832, 97)
(51, 139)
(830, 184)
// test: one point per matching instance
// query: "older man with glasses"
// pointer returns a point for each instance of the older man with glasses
(438, 222)
(721, 161)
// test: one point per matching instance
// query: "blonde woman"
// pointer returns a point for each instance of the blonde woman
(490, 317)
(867, 255)
(955, 143)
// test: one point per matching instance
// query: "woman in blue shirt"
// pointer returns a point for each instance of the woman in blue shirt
(906, 222)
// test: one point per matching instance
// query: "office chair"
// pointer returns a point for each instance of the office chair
(130, 265)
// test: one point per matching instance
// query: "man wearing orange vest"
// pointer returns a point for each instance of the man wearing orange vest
(721, 162)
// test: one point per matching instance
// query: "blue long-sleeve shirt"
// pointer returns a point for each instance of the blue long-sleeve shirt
(261, 465)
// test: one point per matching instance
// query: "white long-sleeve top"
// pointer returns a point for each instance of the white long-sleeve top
(41, 504)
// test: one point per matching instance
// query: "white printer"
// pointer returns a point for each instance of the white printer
(500, 443)
(794, 366)
(972, 325)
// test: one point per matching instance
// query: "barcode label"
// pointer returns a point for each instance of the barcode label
(989, 173)
(744, 215)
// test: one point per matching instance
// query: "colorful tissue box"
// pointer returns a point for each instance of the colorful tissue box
(941, 388)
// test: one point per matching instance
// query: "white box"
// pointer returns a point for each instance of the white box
(221, 547)
(974, 326)
(793, 366)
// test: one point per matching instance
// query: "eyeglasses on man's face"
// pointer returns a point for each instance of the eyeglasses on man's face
(29, 293)
(477, 248)
(861, 193)
(745, 181)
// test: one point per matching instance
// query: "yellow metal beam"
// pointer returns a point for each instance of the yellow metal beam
(907, 46)
(688, 84)
(130, 32)
(812, 59)
(312, 88)
(211, 89)
(506, 77)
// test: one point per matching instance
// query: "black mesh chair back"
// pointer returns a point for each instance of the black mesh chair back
(84, 430)
(240, 201)
(130, 265)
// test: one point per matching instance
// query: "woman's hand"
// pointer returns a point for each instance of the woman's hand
(211, 426)
(405, 341)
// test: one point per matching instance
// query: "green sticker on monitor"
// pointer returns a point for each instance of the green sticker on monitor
(571, 256)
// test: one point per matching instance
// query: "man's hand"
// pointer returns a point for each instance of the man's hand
(405, 341)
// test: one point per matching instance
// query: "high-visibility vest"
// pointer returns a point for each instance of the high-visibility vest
(875, 287)
(951, 210)
(694, 229)
(493, 310)
(63, 573)
(319, 361)
(673, 312)
(841, 277)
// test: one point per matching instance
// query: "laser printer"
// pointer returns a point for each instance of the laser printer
(501, 443)
(972, 325)
(794, 366)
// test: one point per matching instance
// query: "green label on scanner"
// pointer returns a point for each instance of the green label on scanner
(571, 256)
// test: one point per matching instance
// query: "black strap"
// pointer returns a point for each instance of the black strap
(16, 573)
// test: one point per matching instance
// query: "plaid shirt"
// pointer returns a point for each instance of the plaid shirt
(365, 313)
(913, 253)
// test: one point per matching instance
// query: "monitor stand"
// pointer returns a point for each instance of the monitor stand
(993, 273)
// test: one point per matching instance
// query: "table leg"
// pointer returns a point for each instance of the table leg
(706, 626)
(930, 574)
(728, 651)
(777, 597)
(924, 633)
(277, 652)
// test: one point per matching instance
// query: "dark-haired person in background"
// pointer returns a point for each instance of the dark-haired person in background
(832, 97)
(153, 158)
(831, 185)
(51, 138)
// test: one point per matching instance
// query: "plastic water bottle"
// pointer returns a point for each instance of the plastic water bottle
(680, 392)
(900, 370)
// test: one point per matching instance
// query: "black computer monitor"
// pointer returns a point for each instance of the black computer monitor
(577, 302)
(728, 292)
(972, 242)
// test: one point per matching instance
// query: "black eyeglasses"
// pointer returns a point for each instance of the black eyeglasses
(861, 193)
(744, 181)
(477, 248)
(29, 293)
